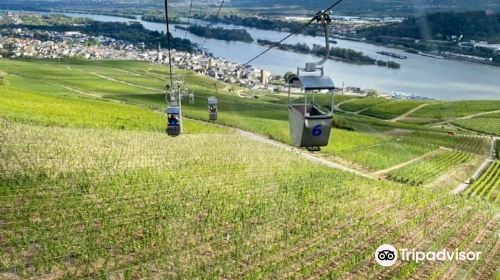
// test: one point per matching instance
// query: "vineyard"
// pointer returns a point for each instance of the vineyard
(488, 185)
(383, 155)
(471, 144)
(92, 188)
(393, 109)
(28, 107)
(376, 153)
(484, 125)
(359, 104)
(423, 172)
(441, 111)
(93, 203)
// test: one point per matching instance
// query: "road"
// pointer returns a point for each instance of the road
(480, 171)
(122, 82)
(424, 156)
(409, 113)
(478, 115)
(303, 153)
(307, 155)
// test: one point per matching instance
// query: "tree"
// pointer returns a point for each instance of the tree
(288, 76)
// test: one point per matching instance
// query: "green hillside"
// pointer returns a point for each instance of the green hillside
(471, 25)
(91, 186)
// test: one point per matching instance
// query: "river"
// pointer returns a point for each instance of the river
(419, 75)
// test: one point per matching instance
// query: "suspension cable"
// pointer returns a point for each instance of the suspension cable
(319, 15)
(216, 17)
(169, 47)
(189, 19)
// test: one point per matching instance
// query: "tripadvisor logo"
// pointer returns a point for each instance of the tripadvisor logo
(387, 255)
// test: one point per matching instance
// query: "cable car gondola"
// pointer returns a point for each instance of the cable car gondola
(173, 118)
(310, 124)
(212, 108)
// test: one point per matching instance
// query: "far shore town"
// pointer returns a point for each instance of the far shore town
(64, 45)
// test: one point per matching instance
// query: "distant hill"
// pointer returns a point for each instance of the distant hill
(442, 26)
(375, 7)
(367, 6)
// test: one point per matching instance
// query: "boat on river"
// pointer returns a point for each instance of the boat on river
(391, 54)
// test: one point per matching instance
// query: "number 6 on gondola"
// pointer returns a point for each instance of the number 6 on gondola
(317, 130)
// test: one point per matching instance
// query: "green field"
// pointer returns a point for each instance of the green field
(468, 143)
(488, 185)
(362, 103)
(489, 125)
(92, 188)
(41, 109)
(111, 203)
(391, 110)
(441, 111)
(423, 172)
(384, 155)
(267, 115)
(343, 98)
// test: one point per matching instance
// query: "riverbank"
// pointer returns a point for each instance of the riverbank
(272, 25)
(289, 26)
(340, 54)
(218, 33)
(438, 55)
(423, 76)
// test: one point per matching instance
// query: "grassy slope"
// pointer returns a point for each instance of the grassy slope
(392, 109)
(490, 125)
(362, 103)
(266, 115)
(488, 186)
(424, 172)
(440, 111)
(100, 202)
(125, 204)
(41, 109)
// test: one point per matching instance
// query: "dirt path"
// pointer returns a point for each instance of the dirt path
(238, 91)
(358, 113)
(448, 121)
(456, 175)
(409, 113)
(130, 73)
(480, 171)
(307, 155)
(429, 154)
(76, 90)
(361, 111)
(122, 82)
(478, 115)
(336, 107)
(118, 81)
